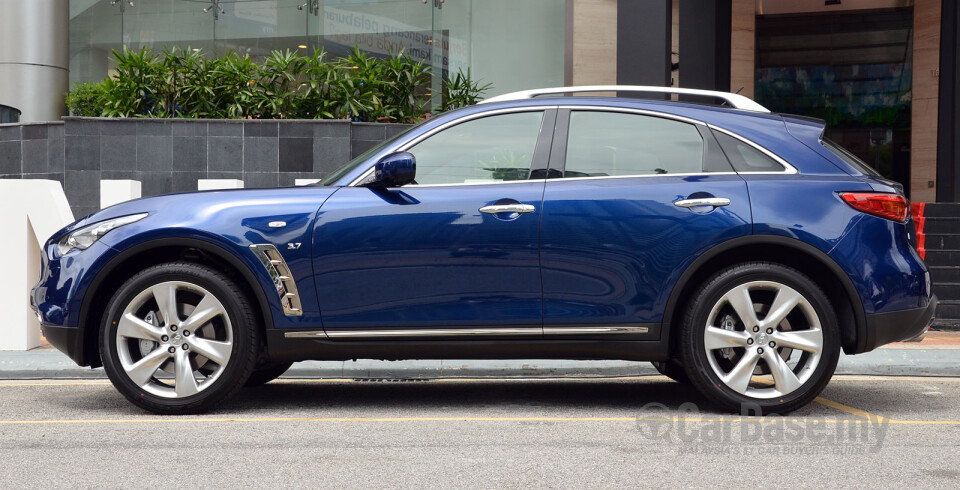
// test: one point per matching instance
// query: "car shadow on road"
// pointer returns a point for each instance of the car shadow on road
(467, 395)
(502, 397)
(586, 397)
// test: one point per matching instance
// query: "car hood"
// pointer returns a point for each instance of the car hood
(190, 205)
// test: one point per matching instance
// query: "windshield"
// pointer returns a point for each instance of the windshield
(356, 162)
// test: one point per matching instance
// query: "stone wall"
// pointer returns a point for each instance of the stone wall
(32, 151)
(170, 155)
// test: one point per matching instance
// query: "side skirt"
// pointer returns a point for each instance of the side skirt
(282, 347)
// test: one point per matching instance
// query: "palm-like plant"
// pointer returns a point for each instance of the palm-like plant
(188, 83)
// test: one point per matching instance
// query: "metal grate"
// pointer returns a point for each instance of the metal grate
(282, 279)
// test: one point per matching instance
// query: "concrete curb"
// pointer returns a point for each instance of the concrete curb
(51, 364)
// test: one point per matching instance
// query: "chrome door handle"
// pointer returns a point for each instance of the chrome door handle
(508, 208)
(703, 201)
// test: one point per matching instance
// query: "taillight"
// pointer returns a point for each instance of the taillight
(889, 206)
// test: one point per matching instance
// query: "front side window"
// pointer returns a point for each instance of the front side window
(604, 144)
(495, 148)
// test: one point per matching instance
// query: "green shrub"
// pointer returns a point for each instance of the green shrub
(461, 91)
(187, 83)
(85, 99)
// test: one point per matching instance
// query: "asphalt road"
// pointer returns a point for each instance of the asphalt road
(863, 431)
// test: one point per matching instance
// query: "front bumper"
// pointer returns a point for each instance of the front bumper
(884, 328)
(67, 340)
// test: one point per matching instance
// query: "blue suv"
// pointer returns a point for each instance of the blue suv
(738, 250)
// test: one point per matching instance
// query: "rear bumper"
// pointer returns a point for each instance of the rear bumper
(884, 328)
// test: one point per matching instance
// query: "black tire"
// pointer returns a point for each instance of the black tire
(267, 373)
(236, 320)
(673, 370)
(811, 375)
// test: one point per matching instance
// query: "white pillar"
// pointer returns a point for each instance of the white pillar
(117, 191)
(32, 211)
(305, 181)
(212, 184)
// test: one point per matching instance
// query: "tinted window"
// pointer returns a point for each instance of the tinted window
(850, 158)
(490, 149)
(610, 143)
(744, 157)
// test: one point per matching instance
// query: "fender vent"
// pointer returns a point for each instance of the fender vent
(282, 279)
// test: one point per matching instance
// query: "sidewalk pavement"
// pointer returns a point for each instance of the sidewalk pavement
(937, 355)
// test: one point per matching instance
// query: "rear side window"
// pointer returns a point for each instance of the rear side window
(744, 157)
(603, 144)
(850, 158)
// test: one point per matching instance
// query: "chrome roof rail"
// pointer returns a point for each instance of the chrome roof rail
(735, 100)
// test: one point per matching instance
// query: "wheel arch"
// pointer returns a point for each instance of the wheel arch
(146, 254)
(822, 269)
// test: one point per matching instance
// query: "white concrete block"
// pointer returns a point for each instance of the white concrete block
(305, 181)
(117, 191)
(30, 212)
(211, 184)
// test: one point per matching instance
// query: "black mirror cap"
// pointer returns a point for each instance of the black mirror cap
(395, 170)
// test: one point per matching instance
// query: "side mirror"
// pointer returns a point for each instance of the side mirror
(394, 170)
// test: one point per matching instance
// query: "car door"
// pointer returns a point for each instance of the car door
(454, 253)
(640, 195)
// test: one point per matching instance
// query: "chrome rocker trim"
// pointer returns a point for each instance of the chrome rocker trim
(472, 332)
(282, 279)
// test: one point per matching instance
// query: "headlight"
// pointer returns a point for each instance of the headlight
(88, 235)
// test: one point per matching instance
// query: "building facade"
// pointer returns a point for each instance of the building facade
(882, 73)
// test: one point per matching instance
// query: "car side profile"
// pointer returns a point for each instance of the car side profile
(738, 250)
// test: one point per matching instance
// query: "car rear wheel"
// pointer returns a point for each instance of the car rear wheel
(672, 369)
(179, 338)
(762, 336)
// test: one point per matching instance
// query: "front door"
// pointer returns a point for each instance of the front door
(455, 253)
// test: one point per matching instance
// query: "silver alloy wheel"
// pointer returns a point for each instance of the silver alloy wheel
(788, 339)
(170, 335)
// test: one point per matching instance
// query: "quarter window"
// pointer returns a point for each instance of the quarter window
(490, 149)
(744, 157)
(617, 144)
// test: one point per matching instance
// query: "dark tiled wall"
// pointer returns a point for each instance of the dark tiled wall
(31, 151)
(171, 155)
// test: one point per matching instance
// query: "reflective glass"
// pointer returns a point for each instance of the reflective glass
(512, 45)
(490, 149)
(604, 144)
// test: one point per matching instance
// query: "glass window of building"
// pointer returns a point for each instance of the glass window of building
(853, 69)
(513, 45)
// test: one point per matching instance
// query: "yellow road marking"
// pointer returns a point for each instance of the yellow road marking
(181, 420)
(890, 379)
(71, 383)
(937, 379)
(863, 414)
(851, 410)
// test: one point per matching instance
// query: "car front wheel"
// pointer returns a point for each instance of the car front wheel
(760, 336)
(179, 338)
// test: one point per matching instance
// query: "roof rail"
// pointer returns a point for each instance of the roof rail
(735, 100)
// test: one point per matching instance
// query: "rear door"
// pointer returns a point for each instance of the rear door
(638, 196)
